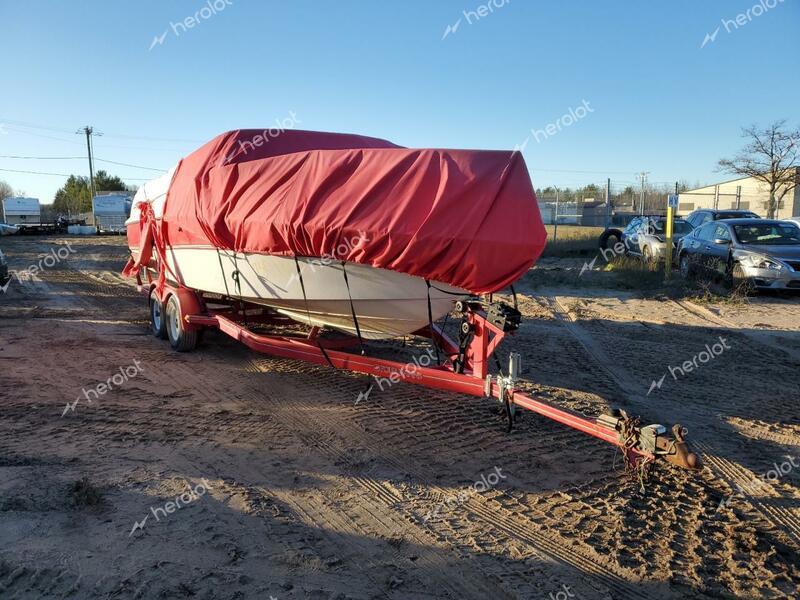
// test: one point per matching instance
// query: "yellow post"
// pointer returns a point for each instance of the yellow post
(672, 204)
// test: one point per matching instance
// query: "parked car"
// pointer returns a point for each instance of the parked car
(646, 237)
(3, 269)
(701, 216)
(611, 236)
(761, 253)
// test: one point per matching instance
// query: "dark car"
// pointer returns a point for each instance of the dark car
(762, 253)
(705, 215)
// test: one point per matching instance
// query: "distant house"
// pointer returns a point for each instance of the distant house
(746, 193)
(567, 212)
(21, 211)
(594, 213)
(111, 210)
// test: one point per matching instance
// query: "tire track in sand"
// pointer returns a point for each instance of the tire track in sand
(781, 518)
(515, 526)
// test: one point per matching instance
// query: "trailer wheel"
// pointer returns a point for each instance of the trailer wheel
(158, 323)
(180, 338)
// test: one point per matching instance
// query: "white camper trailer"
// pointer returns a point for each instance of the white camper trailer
(110, 212)
(22, 211)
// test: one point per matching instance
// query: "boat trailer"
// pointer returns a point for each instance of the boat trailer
(465, 368)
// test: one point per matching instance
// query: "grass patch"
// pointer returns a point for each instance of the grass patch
(714, 292)
(82, 493)
(573, 240)
(631, 274)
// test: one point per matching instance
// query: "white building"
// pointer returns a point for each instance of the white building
(746, 193)
(22, 211)
(111, 211)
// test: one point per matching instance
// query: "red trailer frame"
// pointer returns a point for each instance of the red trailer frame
(465, 369)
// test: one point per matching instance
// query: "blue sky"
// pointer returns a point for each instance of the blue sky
(659, 102)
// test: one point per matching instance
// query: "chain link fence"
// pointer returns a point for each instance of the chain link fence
(599, 207)
(593, 206)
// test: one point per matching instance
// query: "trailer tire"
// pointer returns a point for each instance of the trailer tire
(180, 338)
(158, 323)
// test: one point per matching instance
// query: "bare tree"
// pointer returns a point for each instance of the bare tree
(771, 156)
(5, 191)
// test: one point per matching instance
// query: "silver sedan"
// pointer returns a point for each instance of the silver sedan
(760, 253)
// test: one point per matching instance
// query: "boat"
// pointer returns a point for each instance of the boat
(338, 231)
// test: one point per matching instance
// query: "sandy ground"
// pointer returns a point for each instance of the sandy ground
(299, 492)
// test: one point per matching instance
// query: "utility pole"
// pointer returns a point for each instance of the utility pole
(608, 202)
(555, 219)
(643, 176)
(89, 132)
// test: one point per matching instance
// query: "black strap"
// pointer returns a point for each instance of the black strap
(237, 278)
(430, 323)
(308, 313)
(222, 270)
(303, 288)
(514, 293)
(325, 354)
(438, 289)
(353, 310)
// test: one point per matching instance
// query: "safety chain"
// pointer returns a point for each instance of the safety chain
(629, 436)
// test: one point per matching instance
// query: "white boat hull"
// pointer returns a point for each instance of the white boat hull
(386, 303)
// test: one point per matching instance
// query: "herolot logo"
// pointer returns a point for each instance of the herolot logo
(741, 19)
(473, 16)
(208, 10)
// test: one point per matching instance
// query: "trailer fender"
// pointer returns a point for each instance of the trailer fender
(189, 300)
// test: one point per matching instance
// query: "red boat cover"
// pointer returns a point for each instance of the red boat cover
(468, 218)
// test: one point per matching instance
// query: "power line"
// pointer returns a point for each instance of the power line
(148, 148)
(52, 137)
(70, 174)
(153, 139)
(534, 170)
(34, 126)
(130, 165)
(46, 157)
(34, 172)
(49, 137)
(113, 162)
(30, 125)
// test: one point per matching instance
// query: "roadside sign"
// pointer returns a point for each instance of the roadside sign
(672, 201)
